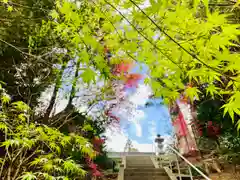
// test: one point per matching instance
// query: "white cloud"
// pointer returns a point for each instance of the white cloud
(117, 140)
(129, 109)
(152, 130)
(141, 95)
(137, 116)
(143, 147)
(138, 129)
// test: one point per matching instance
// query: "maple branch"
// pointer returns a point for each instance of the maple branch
(146, 38)
(194, 56)
(172, 39)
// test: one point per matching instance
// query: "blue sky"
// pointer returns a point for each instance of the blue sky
(156, 120)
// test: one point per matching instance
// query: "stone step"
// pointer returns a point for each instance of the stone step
(140, 163)
(182, 175)
(140, 159)
(145, 174)
(185, 178)
(150, 163)
(144, 170)
(140, 167)
(146, 178)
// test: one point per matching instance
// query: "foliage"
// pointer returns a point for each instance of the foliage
(26, 68)
(195, 173)
(217, 132)
(190, 47)
(229, 148)
(35, 151)
(210, 121)
(178, 44)
(48, 45)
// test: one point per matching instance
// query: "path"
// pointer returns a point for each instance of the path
(139, 166)
(142, 168)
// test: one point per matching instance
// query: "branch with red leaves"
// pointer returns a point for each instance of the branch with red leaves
(129, 80)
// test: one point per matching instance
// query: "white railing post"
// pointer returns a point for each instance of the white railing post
(154, 161)
(178, 167)
(190, 172)
(122, 167)
(121, 172)
(124, 161)
(170, 164)
(190, 164)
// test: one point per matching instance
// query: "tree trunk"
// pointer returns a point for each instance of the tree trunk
(73, 90)
(54, 94)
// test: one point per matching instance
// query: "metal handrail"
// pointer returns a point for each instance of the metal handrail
(189, 163)
(122, 167)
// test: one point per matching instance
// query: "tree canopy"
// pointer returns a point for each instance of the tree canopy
(73, 48)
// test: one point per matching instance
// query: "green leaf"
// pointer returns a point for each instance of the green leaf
(5, 99)
(212, 90)
(196, 3)
(3, 126)
(216, 19)
(70, 166)
(28, 176)
(54, 14)
(229, 108)
(132, 34)
(90, 41)
(1, 160)
(229, 84)
(196, 74)
(36, 161)
(192, 93)
(10, 8)
(20, 106)
(48, 166)
(11, 142)
(87, 127)
(88, 75)
(205, 2)
(238, 125)
(28, 143)
(22, 117)
(65, 141)
(107, 27)
(5, 1)
(127, 4)
(55, 147)
(236, 5)
(58, 160)
(47, 176)
(146, 81)
(83, 55)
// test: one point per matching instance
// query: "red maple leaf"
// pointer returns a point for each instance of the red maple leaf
(132, 80)
(97, 173)
(122, 68)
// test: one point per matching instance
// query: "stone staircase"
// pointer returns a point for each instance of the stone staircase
(142, 168)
